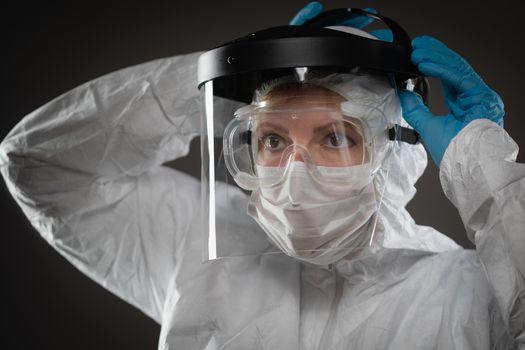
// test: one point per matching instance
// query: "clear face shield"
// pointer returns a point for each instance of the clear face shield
(294, 172)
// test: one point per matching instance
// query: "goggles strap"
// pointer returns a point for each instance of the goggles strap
(246, 137)
(400, 133)
(395, 133)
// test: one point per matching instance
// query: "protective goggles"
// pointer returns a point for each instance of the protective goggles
(261, 142)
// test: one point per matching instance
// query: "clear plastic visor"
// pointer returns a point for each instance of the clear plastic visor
(293, 170)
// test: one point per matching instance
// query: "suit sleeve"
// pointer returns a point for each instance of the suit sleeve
(480, 175)
(87, 171)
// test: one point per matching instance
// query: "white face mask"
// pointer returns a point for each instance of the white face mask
(316, 222)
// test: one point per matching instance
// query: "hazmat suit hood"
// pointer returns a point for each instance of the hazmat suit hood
(402, 164)
(399, 164)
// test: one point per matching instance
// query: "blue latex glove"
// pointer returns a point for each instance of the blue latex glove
(308, 12)
(315, 8)
(466, 96)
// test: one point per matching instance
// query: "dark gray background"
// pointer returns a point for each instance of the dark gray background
(51, 49)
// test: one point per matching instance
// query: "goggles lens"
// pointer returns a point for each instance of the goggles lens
(273, 138)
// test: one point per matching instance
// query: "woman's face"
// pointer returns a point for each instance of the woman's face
(307, 123)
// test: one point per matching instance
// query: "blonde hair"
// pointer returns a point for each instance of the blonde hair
(282, 89)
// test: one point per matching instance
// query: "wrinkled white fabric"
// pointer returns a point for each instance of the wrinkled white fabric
(317, 222)
(87, 171)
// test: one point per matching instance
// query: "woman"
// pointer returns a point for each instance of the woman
(91, 155)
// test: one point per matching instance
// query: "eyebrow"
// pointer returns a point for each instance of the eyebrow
(329, 126)
(317, 129)
(273, 126)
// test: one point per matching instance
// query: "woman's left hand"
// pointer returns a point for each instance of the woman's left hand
(466, 95)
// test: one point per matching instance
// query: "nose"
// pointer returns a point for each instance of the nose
(298, 153)
(297, 157)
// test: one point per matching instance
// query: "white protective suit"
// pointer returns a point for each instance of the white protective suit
(87, 171)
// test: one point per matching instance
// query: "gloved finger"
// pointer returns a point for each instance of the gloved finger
(359, 22)
(414, 110)
(431, 50)
(490, 107)
(308, 12)
(383, 34)
(473, 97)
(434, 45)
(455, 63)
(420, 55)
(455, 68)
(476, 103)
(461, 81)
